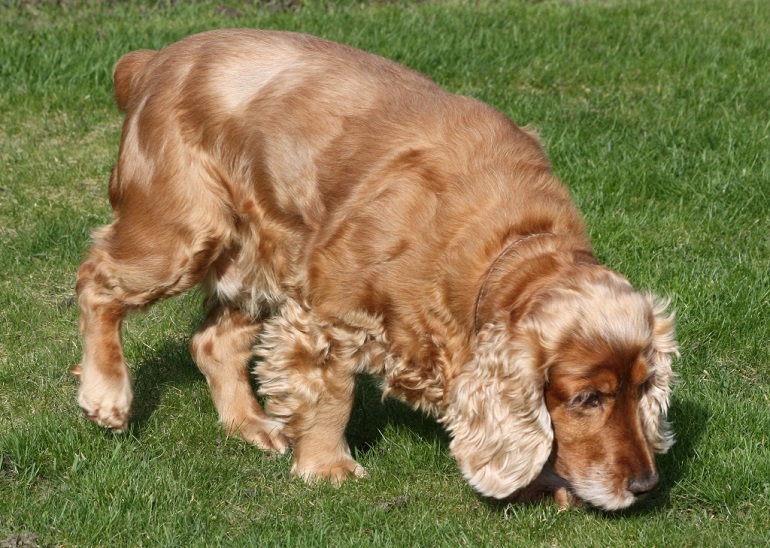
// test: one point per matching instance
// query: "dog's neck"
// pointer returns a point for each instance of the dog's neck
(494, 268)
(522, 267)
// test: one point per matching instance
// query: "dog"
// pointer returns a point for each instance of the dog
(345, 215)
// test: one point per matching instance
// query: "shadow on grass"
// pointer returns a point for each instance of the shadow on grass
(689, 419)
(371, 416)
(170, 365)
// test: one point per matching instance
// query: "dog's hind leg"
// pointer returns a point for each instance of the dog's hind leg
(105, 393)
(156, 247)
(222, 350)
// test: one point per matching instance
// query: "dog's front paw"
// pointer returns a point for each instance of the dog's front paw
(566, 499)
(336, 472)
(104, 400)
(535, 493)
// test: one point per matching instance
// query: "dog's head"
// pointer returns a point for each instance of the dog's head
(580, 383)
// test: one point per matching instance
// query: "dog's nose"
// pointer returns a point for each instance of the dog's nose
(644, 484)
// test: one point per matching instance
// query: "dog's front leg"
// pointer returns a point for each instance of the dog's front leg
(310, 385)
(320, 447)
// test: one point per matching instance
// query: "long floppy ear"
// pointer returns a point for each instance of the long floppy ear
(657, 395)
(496, 415)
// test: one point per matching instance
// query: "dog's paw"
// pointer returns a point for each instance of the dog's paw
(565, 499)
(535, 493)
(336, 472)
(264, 433)
(104, 400)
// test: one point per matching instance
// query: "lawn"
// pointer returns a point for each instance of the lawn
(656, 114)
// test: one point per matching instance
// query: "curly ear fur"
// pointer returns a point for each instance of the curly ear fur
(654, 403)
(497, 417)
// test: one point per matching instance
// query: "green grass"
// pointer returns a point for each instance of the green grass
(655, 113)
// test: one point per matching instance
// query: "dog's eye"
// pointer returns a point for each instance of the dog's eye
(647, 385)
(587, 400)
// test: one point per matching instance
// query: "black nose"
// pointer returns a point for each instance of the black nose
(643, 484)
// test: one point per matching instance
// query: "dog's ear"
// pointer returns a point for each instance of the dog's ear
(653, 405)
(496, 414)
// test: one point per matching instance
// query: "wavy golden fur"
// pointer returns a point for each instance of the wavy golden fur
(352, 217)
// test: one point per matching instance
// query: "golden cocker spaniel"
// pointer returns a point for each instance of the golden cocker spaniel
(346, 215)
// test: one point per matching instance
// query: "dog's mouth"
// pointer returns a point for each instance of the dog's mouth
(548, 484)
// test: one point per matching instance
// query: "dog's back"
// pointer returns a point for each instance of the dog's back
(331, 145)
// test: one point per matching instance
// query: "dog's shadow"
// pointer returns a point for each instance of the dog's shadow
(168, 366)
(372, 416)
(171, 365)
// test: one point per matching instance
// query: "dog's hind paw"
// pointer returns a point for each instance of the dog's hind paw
(264, 433)
(105, 401)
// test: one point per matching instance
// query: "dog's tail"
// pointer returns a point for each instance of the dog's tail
(124, 75)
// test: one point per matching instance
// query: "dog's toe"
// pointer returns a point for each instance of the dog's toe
(264, 433)
(336, 472)
(115, 419)
(106, 402)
